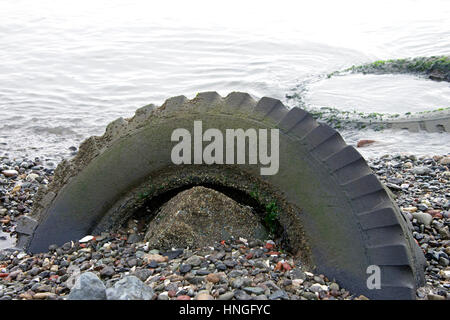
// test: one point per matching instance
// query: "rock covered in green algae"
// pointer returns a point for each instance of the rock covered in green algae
(201, 216)
(435, 67)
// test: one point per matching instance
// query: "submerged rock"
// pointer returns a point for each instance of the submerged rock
(436, 67)
(201, 216)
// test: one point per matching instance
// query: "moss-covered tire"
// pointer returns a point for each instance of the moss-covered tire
(435, 68)
(349, 220)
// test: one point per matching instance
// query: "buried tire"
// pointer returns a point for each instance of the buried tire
(348, 221)
(434, 68)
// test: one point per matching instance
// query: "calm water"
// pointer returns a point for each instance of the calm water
(67, 68)
(379, 93)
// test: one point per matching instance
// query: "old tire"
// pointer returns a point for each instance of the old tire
(349, 220)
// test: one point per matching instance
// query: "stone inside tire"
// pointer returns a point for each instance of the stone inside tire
(348, 219)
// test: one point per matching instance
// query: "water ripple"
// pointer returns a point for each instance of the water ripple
(68, 68)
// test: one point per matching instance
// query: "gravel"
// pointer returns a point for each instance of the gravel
(234, 269)
(424, 199)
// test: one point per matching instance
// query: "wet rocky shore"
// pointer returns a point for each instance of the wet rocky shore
(122, 265)
(421, 188)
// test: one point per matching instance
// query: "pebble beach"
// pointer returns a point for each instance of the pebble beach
(122, 265)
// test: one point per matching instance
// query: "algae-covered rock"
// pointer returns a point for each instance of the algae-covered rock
(201, 216)
(435, 67)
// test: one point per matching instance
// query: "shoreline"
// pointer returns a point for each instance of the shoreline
(420, 186)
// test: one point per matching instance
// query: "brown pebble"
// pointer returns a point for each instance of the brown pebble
(362, 143)
(203, 295)
(154, 257)
(213, 277)
(43, 295)
(171, 293)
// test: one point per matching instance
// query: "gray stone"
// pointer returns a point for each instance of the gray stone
(133, 238)
(237, 283)
(316, 288)
(227, 296)
(25, 225)
(309, 296)
(130, 288)
(319, 280)
(197, 280)
(422, 217)
(88, 287)
(334, 287)
(142, 274)
(132, 262)
(393, 186)
(421, 170)
(298, 274)
(194, 261)
(221, 267)
(241, 295)
(163, 296)
(184, 268)
(444, 232)
(443, 261)
(272, 285)
(254, 290)
(107, 271)
(279, 294)
(422, 207)
(235, 273)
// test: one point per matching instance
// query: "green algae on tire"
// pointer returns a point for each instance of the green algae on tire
(438, 120)
(434, 67)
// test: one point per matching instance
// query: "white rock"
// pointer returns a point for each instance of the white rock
(10, 173)
(410, 209)
(423, 217)
(46, 262)
(445, 274)
(86, 239)
(163, 296)
(318, 287)
(32, 177)
(297, 282)
(21, 255)
(243, 240)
